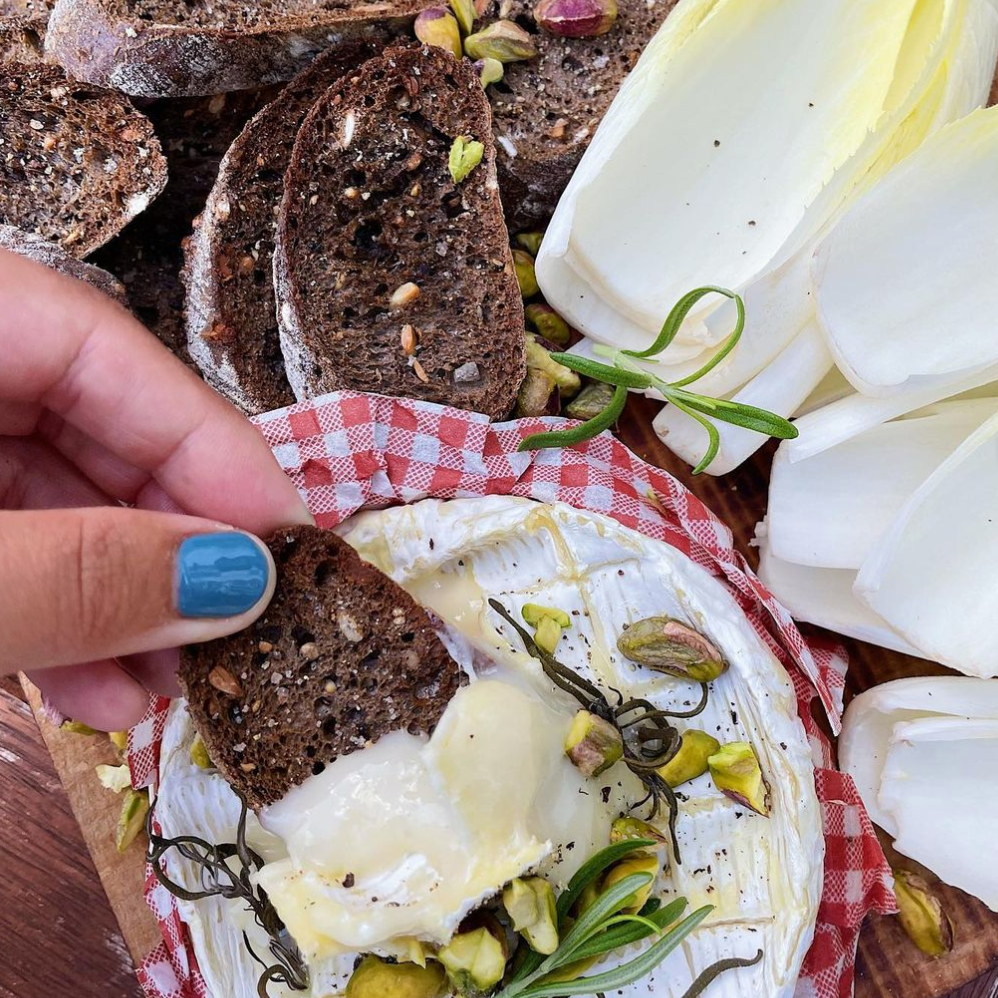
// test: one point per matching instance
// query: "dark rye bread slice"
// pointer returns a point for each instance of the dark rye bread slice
(22, 29)
(546, 110)
(231, 315)
(341, 657)
(370, 208)
(174, 48)
(76, 163)
(42, 251)
(148, 256)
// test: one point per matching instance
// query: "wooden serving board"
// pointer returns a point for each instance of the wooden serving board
(888, 966)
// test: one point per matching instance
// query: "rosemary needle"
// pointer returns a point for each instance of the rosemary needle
(625, 374)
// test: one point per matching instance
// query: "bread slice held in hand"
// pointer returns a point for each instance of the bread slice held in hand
(341, 657)
(393, 274)
(76, 163)
(42, 251)
(231, 316)
(191, 48)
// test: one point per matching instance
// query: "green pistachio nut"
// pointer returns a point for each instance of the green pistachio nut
(132, 819)
(590, 402)
(77, 728)
(438, 27)
(736, 772)
(530, 241)
(576, 18)
(465, 154)
(119, 739)
(548, 323)
(475, 961)
(199, 754)
(538, 395)
(534, 613)
(538, 358)
(376, 978)
(627, 829)
(670, 646)
(504, 41)
(464, 11)
(489, 71)
(523, 264)
(921, 914)
(695, 748)
(531, 906)
(547, 635)
(635, 863)
(593, 744)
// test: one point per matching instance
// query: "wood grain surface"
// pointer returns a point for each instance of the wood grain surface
(57, 922)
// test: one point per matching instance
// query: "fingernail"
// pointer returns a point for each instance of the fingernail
(220, 575)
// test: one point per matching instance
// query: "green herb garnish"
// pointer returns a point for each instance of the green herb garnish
(602, 928)
(624, 374)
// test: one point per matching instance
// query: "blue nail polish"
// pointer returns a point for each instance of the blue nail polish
(220, 575)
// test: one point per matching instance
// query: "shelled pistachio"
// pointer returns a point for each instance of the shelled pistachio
(593, 744)
(695, 748)
(736, 772)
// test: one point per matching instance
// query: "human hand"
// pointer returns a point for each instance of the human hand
(95, 413)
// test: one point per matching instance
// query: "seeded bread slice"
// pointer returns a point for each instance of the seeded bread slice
(148, 255)
(42, 251)
(391, 277)
(341, 657)
(173, 48)
(546, 110)
(231, 315)
(76, 163)
(22, 29)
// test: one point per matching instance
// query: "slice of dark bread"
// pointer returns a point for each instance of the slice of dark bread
(546, 110)
(42, 251)
(148, 255)
(378, 248)
(173, 48)
(231, 315)
(22, 29)
(76, 163)
(341, 657)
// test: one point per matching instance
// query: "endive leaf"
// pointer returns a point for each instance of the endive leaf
(947, 530)
(905, 284)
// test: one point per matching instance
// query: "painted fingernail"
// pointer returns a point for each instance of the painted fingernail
(220, 575)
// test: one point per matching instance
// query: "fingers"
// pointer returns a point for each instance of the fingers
(100, 694)
(97, 368)
(85, 585)
(33, 476)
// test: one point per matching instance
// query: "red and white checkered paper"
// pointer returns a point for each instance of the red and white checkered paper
(350, 451)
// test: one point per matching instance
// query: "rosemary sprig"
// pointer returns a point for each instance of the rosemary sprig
(624, 374)
(638, 721)
(601, 929)
(219, 879)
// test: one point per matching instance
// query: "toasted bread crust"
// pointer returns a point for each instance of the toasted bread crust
(341, 657)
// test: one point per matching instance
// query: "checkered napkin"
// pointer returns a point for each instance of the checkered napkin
(348, 451)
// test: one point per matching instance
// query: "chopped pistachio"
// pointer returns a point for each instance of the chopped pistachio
(530, 241)
(695, 748)
(634, 828)
(736, 772)
(635, 863)
(465, 154)
(77, 728)
(134, 809)
(547, 635)
(530, 904)
(199, 754)
(464, 11)
(593, 744)
(576, 18)
(590, 402)
(548, 323)
(436, 26)
(376, 978)
(534, 613)
(523, 264)
(475, 961)
(489, 71)
(921, 914)
(539, 358)
(538, 395)
(116, 778)
(502, 40)
(119, 739)
(672, 647)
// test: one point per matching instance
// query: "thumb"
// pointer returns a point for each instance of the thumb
(80, 585)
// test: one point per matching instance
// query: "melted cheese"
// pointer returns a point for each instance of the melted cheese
(407, 836)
